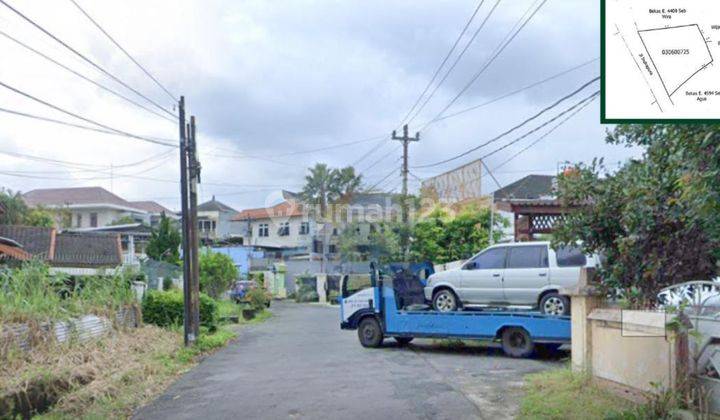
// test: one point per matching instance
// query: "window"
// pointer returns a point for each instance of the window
(354, 283)
(570, 256)
(490, 259)
(93, 219)
(78, 220)
(304, 228)
(284, 229)
(527, 257)
(263, 230)
(335, 232)
(213, 224)
(332, 248)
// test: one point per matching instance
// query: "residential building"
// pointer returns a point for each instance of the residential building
(84, 207)
(134, 238)
(215, 221)
(282, 226)
(70, 253)
(155, 211)
(532, 206)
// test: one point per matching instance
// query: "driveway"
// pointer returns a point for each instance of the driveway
(299, 364)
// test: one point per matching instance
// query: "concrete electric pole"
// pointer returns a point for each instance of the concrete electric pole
(405, 139)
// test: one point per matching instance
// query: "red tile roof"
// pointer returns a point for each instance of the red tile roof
(284, 209)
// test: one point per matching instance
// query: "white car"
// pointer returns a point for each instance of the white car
(514, 274)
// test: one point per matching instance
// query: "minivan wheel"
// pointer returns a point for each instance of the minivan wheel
(445, 301)
(555, 304)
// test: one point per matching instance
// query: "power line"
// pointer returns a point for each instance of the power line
(381, 159)
(536, 141)
(300, 152)
(57, 108)
(501, 47)
(442, 64)
(87, 79)
(97, 25)
(514, 92)
(457, 60)
(65, 123)
(84, 58)
(372, 150)
(80, 164)
(542, 111)
(383, 179)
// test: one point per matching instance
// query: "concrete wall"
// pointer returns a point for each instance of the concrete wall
(296, 268)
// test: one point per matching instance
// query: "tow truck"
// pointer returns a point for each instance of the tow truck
(393, 305)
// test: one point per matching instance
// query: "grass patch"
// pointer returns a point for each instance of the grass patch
(563, 394)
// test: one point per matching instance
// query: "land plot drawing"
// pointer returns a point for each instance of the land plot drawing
(659, 60)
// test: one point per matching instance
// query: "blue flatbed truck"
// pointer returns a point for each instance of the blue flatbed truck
(392, 306)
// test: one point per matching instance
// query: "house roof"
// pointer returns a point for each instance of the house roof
(284, 209)
(87, 250)
(531, 187)
(51, 197)
(66, 249)
(214, 205)
(37, 241)
(151, 207)
(374, 199)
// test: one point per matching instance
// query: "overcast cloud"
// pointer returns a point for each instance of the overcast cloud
(269, 77)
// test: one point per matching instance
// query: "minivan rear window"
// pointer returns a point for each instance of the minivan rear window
(570, 256)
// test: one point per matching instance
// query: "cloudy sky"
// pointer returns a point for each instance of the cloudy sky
(271, 79)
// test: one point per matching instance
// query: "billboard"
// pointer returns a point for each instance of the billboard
(460, 184)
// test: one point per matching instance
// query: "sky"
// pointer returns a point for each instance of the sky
(269, 81)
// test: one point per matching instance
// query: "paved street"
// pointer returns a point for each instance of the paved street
(299, 364)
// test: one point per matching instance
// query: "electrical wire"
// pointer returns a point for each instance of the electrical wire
(514, 92)
(80, 164)
(382, 180)
(87, 79)
(84, 58)
(68, 124)
(57, 108)
(97, 25)
(457, 60)
(444, 61)
(536, 141)
(501, 47)
(542, 111)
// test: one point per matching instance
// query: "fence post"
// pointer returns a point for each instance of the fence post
(583, 299)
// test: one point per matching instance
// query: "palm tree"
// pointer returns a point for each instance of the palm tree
(321, 187)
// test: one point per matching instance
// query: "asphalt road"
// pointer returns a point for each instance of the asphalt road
(299, 364)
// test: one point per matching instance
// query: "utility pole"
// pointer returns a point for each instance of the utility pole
(194, 172)
(405, 139)
(190, 326)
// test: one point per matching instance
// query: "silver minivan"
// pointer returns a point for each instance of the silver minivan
(525, 274)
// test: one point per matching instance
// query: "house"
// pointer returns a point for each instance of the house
(155, 211)
(84, 207)
(134, 238)
(215, 221)
(282, 226)
(70, 253)
(292, 227)
(532, 205)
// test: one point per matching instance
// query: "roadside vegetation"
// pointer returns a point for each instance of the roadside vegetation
(107, 377)
(563, 394)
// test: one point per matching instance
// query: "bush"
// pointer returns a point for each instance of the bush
(258, 299)
(166, 309)
(307, 293)
(217, 272)
(333, 297)
(167, 283)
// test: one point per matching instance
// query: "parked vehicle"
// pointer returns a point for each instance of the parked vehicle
(514, 274)
(240, 289)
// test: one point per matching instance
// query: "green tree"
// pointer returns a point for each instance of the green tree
(442, 238)
(124, 220)
(656, 220)
(325, 185)
(217, 272)
(382, 243)
(164, 244)
(15, 207)
(39, 217)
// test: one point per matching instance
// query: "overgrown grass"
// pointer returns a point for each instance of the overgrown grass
(228, 308)
(31, 293)
(563, 394)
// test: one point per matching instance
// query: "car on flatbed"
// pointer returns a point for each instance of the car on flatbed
(523, 274)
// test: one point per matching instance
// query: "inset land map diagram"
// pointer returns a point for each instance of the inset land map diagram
(661, 59)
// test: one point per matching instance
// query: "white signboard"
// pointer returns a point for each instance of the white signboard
(454, 186)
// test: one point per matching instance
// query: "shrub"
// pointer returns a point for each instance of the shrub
(166, 309)
(333, 297)
(217, 272)
(307, 293)
(167, 283)
(258, 299)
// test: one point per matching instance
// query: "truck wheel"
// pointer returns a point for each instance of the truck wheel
(555, 304)
(445, 300)
(370, 333)
(403, 341)
(516, 342)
